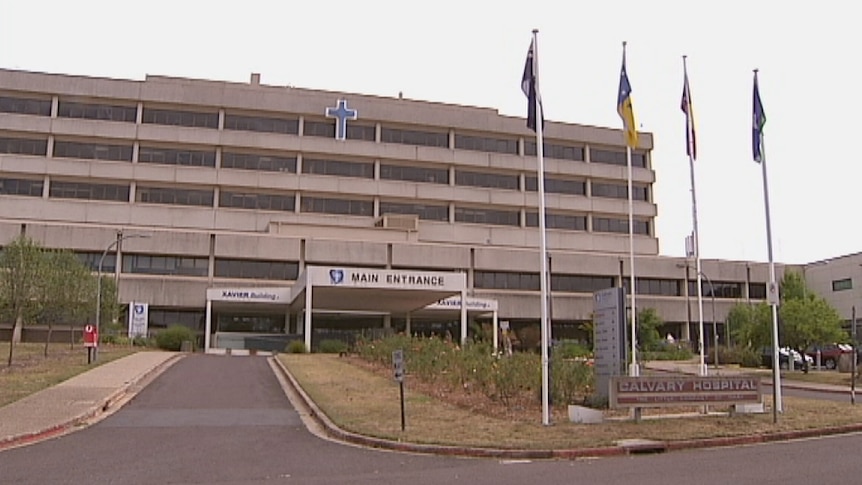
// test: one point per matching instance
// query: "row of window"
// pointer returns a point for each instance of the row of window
(490, 280)
(502, 280)
(290, 126)
(248, 161)
(322, 205)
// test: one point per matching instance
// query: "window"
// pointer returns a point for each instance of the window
(338, 167)
(550, 150)
(489, 180)
(264, 163)
(757, 291)
(617, 191)
(487, 216)
(256, 269)
(25, 106)
(272, 202)
(617, 158)
(501, 280)
(289, 126)
(176, 156)
(162, 318)
(32, 188)
(159, 195)
(103, 112)
(89, 191)
(482, 144)
(165, 265)
(424, 211)
(412, 137)
(414, 174)
(91, 259)
(607, 224)
(723, 289)
(580, 283)
(326, 129)
(92, 151)
(180, 118)
(841, 285)
(24, 146)
(558, 221)
(556, 186)
(337, 206)
(655, 286)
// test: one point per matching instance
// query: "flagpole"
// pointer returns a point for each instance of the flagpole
(543, 279)
(772, 290)
(629, 128)
(696, 236)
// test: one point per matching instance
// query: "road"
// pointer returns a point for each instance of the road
(226, 420)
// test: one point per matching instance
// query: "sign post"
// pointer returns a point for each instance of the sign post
(91, 342)
(398, 365)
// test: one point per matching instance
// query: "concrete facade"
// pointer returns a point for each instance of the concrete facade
(161, 168)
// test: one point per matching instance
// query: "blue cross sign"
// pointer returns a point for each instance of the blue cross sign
(341, 113)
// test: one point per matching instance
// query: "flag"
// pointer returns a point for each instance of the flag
(758, 120)
(530, 87)
(624, 106)
(686, 107)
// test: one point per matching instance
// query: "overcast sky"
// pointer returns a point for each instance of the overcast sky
(472, 53)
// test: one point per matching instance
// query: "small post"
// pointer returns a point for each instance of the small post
(398, 365)
(855, 356)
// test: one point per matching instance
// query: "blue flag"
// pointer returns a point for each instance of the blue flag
(530, 87)
(624, 106)
(758, 120)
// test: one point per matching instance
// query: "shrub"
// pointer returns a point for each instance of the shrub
(172, 337)
(571, 350)
(296, 347)
(331, 346)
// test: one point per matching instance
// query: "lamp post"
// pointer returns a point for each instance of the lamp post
(714, 323)
(116, 242)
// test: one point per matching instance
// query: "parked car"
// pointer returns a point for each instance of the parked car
(829, 353)
(785, 356)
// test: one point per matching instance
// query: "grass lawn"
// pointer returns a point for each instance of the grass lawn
(367, 402)
(31, 371)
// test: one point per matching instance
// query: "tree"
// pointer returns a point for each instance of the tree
(21, 271)
(67, 291)
(793, 287)
(751, 325)
(808, 321)
(648, 324)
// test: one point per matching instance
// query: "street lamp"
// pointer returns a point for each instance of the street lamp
(120, 238)
(714, 323)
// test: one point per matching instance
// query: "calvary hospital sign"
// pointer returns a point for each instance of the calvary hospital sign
(657, 391)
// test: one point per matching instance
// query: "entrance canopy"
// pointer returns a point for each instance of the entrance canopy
(346, 290)
(372, 290)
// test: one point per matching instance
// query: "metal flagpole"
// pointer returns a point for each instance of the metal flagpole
(759, 119)
(543, 278)
(690, 149)
(626, 111)
(635, 370)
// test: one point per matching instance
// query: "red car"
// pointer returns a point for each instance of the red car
(829, 354)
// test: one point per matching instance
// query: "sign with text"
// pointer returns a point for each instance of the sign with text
(609, 336)
(658, 391)
(139, 316)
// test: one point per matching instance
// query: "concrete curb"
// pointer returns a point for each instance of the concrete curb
(333, 431)
(91, 415)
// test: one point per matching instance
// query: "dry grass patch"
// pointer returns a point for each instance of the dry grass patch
(366, 401)
(31, 371)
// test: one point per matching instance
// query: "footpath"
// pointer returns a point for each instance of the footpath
(93, 395)
(79, 400)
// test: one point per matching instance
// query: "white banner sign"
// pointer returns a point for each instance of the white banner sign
(138, 319)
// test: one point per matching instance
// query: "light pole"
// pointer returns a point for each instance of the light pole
(116, 242)
(714, 323)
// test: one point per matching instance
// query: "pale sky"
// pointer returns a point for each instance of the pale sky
(472, 53)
